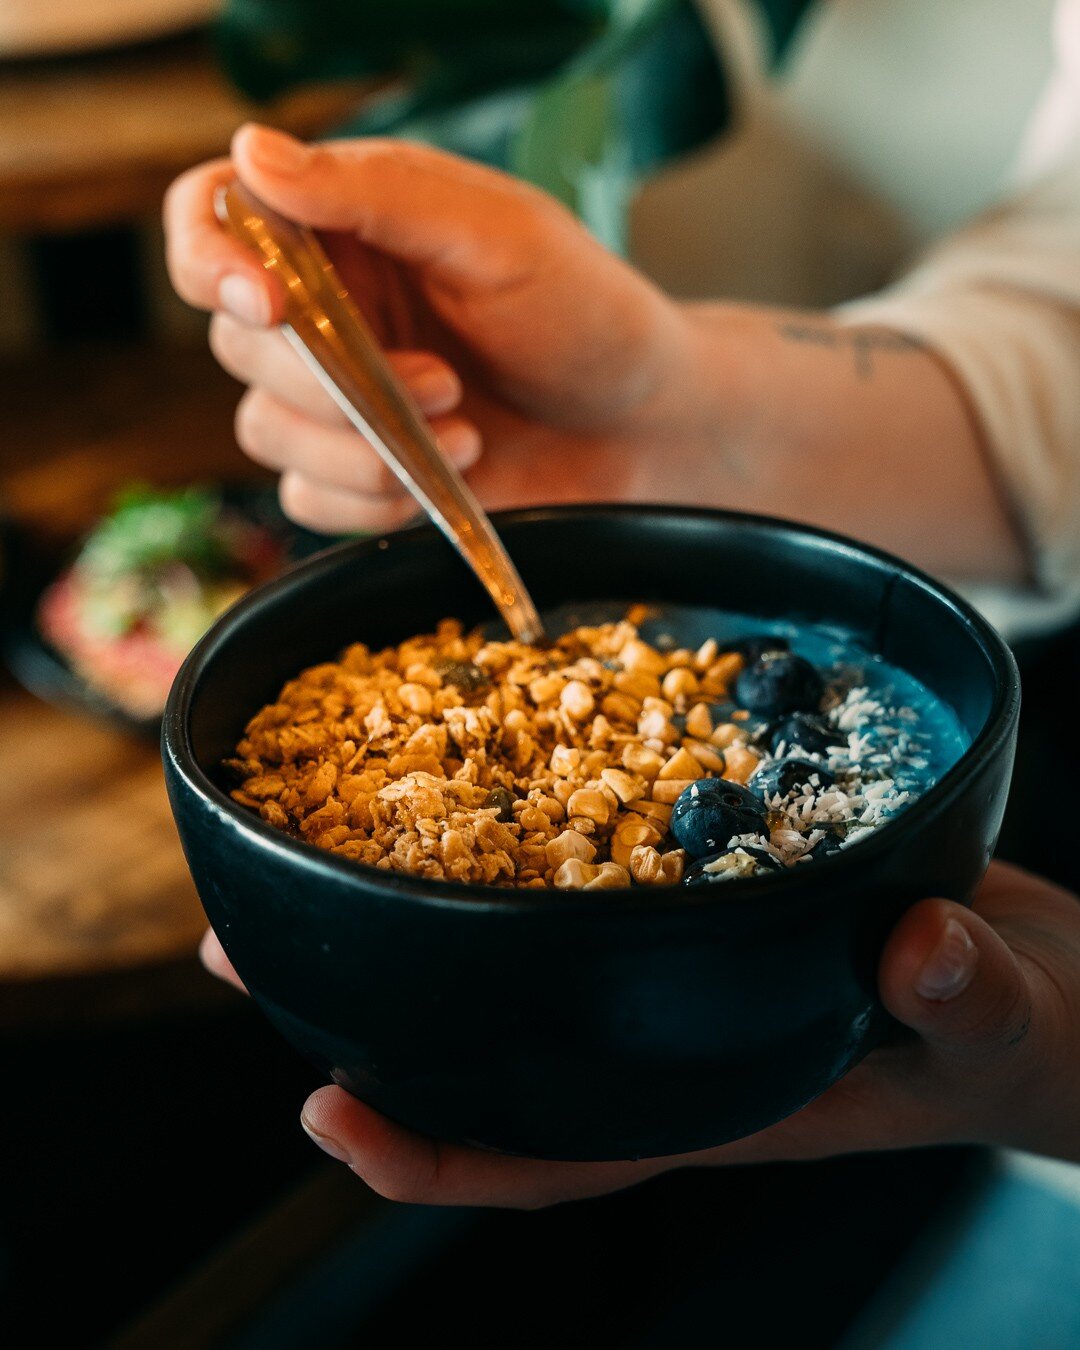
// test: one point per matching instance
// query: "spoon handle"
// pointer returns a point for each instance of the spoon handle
(332, 337)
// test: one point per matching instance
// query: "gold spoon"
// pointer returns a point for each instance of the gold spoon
(326, 328)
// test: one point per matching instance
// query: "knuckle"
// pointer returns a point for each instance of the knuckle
(1010, 1004)
(382, 479)
(294, 494)
(322, 160)
(400, 512)
(253, 421)
(400, 1191)
(230, 344)
(1014, 1016)
(303, 501)
(172, 203)
(375, 515)
(361, 470)
(187, 277)
(188, 192)
(1004, 1017)
(377, 156)
(537, 215)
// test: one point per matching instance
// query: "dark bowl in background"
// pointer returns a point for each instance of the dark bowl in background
(599, 1025)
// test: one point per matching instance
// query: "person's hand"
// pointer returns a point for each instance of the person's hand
(992, 997)
(551, 371)
(473, 281)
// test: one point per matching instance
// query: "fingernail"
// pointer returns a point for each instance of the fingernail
(949, 968)
(277, 152)
(436, 389)
(327, 1143)
(244, 300)
(462, 445)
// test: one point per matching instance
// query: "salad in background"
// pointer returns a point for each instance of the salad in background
(148, 581)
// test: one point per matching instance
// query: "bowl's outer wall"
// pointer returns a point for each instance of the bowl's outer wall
(578, 1029)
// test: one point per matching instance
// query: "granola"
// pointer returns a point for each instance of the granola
(495, 763)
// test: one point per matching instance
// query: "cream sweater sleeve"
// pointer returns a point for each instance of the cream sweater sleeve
(999, 301)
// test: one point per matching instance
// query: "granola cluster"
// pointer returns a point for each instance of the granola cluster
(497, 763)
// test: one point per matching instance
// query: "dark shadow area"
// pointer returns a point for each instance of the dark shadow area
(1047, 754)
(769, 1256)
(129, 1154)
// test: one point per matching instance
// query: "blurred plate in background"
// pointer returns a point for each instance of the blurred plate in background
(29, 565)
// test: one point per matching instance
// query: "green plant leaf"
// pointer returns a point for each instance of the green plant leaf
(267, 46)
(782, 18)
(581, 97)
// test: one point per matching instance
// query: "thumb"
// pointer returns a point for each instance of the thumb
(422, 206)
(949, 976)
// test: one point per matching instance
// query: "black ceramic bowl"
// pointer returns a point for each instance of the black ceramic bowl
(607, 1024)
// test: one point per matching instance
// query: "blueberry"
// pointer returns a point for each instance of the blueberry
(753, 648)
(826, 846)
(804, 730)
(712, 811)
(782, 775)
(696, 875)
(779, 682)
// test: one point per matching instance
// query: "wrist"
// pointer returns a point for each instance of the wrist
(698, 390)
(708, 423)
(797, 415)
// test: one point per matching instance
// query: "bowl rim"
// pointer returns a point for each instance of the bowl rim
(178, 751)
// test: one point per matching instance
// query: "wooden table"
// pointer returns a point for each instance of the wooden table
(92, 879)
(95, 140)
(94, 890)
(90, 873)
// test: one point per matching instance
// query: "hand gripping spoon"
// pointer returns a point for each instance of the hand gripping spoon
(328, 331)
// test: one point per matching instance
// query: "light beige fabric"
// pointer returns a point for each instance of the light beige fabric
(1000, 301)
(916, 163)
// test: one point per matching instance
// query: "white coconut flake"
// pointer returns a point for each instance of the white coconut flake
(878, 751)
(875, 765)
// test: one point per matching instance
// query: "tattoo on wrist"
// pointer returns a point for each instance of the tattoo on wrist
(862, 343)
